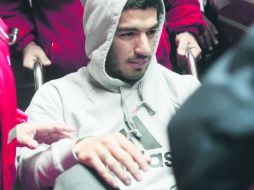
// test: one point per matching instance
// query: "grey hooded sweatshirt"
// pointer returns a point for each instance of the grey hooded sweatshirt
(95, 104)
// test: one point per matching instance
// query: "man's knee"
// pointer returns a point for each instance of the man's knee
(80, 176)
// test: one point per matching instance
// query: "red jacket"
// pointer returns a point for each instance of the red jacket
(7, 115)
(59, 28)
(181, 16)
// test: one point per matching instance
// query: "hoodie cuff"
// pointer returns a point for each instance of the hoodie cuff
(73, 153)
(64, 157)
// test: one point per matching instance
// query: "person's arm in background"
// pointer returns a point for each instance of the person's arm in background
(185, 19)
(30, 134)
(209, 38)
(14, 129)
(38, 168)
(18, 14)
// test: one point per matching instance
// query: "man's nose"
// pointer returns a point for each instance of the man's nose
(142, 46)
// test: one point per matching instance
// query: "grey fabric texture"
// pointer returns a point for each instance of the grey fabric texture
(80, 176)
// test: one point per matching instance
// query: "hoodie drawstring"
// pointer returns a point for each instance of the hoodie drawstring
(144, 103)
(132, 129)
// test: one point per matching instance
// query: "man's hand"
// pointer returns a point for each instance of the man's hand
(185, 41)
(112, 156)
(33, 52)
(209, 38)
(30, 134)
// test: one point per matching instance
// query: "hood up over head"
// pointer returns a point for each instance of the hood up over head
(101, 19)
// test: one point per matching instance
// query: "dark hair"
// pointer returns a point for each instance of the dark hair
(143, 4)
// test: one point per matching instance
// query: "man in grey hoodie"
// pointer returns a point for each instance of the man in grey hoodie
(120, 103)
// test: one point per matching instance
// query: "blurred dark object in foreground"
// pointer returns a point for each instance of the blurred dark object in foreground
(212, 135)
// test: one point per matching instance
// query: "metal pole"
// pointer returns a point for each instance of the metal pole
(38, 74)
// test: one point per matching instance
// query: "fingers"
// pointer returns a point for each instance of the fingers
(28, 142)
(44, 60)
(213, 35)
(32, 133)
(121, 159)
(65, 135)
(196, 51)
(62, 128)
(59, 131)
(210, 36)
(127, 155)
(25, 134)
(211, 26)
(49, 133)
(181, 45)
(114, 166)
(141, 160)
(209, 39)
(33, 52)
(56, 128)
(28, 61)
(186, 41)
(116, 155)
(118, 161)
(95, 162)
(202, 42)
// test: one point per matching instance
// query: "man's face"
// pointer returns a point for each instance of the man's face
(132, 45)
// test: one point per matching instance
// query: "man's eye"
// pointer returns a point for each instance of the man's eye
(127, 34)
(151, 33)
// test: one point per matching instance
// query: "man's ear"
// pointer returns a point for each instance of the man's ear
(83, 2)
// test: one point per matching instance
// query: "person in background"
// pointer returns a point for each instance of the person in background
(184, 23)
(48, 31)
(47, 34)
(14, 129)
(120, 104)
(211, 136)
(51, 32)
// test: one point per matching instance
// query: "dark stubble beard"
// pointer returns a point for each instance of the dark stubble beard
(114, 71)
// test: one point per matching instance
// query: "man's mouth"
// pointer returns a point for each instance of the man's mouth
(138, 63)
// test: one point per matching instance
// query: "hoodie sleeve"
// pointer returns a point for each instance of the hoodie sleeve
(18, 14)
(40, 167)
(184, 15)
